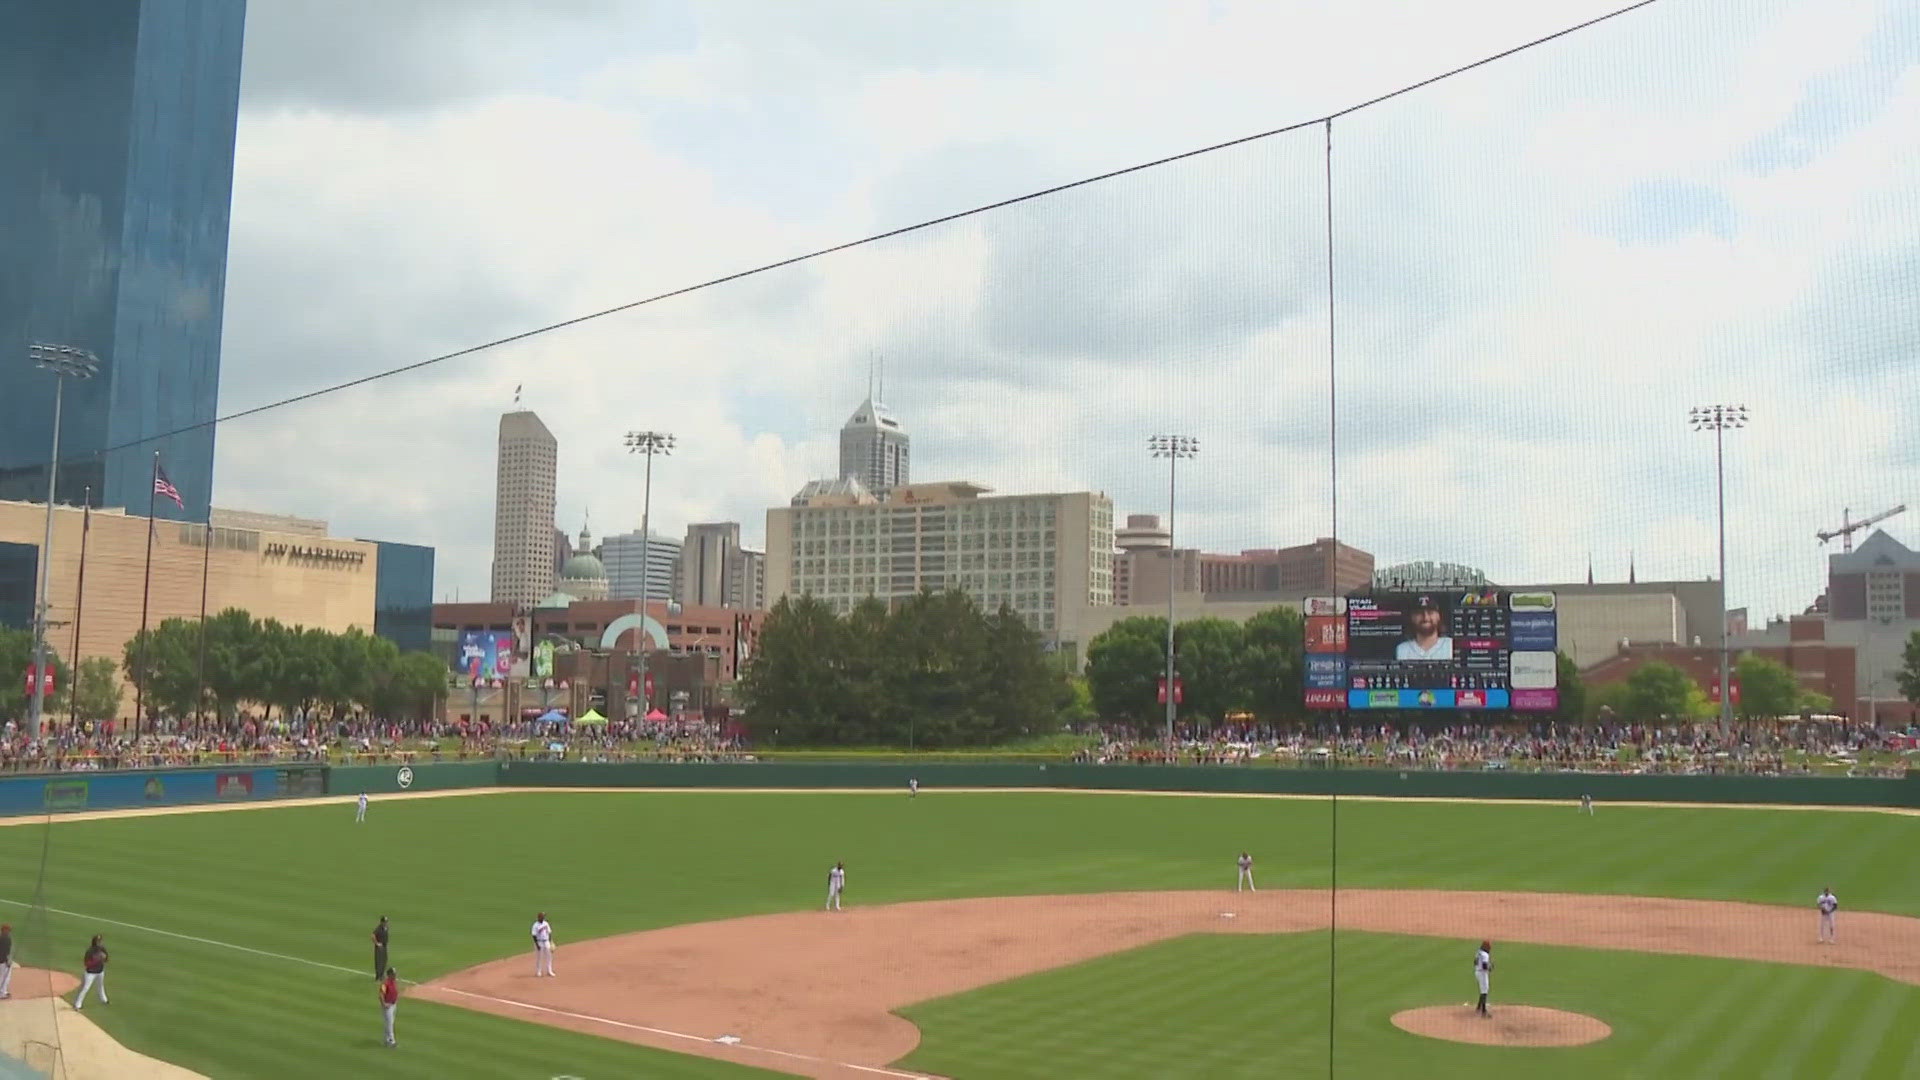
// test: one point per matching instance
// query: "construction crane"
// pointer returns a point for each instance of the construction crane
(1848, 528)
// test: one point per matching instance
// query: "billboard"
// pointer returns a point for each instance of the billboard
(485, 654)
(1459, 648)
(543, 660)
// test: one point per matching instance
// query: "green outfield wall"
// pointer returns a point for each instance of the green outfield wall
(391, 779)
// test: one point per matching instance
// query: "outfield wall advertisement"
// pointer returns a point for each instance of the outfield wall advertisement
(121, 790)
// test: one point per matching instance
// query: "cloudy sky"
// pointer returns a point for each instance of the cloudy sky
(1539, 265)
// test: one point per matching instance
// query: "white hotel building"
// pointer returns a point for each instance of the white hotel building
(1048, 556)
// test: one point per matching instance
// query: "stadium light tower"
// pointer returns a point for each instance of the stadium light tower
(1719, 419)
(1173, 448)
(66, 362)
(648, 443)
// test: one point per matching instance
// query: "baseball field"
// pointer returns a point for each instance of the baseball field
(988, 934)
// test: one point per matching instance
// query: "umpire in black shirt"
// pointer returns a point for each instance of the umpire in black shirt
(380, 949)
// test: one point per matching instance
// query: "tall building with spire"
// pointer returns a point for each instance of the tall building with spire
(874, 447)
(523, 510)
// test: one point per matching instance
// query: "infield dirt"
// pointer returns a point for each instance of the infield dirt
(812, 993)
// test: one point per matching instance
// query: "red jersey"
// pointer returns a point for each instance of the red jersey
(390, 991)
(96, 959)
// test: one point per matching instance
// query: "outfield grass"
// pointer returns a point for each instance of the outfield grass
(1253, 1008)
(461, 877)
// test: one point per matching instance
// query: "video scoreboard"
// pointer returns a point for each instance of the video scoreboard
(1433, 649)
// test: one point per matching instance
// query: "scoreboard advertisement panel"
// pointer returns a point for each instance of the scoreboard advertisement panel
(1433, 649)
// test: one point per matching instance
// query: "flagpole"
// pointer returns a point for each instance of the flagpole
(79, 603)
(146, 595)
(206, 557)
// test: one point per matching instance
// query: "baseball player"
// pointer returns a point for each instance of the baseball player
(95, 963)
(1483, 974)
(1586, 803)
(913, 788)
(380, 935)
(6, 961)
(1828, 904)
(542, 945)
(1246, 874)
(836, 882)
(361, 814)
(389, 1001)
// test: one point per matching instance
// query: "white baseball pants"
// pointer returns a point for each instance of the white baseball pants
(1483, 979)
(1246, 881)
(833, 899)
(543, 959)
(386, 1011)
(1826, 927)
(87, 983)
(6, 978)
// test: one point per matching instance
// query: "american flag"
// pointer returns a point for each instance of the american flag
(164, 486)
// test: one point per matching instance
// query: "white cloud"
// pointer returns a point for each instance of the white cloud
(1515, 368)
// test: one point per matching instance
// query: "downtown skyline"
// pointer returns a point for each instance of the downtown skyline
(1539, 263)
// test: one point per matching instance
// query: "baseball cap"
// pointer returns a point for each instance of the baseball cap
(1426, 602)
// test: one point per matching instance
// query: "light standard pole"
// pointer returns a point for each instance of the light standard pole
(1173, 448)
(1719, 419)
(648, 443)
(66, 362)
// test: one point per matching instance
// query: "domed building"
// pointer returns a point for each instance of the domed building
(584, 577)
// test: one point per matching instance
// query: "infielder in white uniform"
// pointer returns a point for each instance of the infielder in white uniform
(1246, 874)
(542, 945)
(1483, 974)
(361, 814)
(836, 881)
(1828, 904)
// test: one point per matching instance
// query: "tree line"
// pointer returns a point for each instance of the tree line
(90, 691)
(263, 663)
(933, 670)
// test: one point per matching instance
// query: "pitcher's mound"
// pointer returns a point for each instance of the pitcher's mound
(1510, 1025)
(37, 983)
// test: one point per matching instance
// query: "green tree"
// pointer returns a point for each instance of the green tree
(1658, 689)
(1022, 685)
(16, 652)
(1271, 676)
(1210, 654)
(162, 663)
(1608, 701)
(1573, 689)
(1909, 674)
(1768, 688)
(794, 687)
(232, 639)
(1124, 662)
(96, 689)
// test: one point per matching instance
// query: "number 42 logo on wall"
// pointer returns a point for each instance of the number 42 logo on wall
(405, 776)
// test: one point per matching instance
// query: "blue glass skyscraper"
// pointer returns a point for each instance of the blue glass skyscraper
(117, 123)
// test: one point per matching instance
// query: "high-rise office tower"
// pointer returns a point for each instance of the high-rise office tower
(523, 509)
(117, 126)
(873, 447)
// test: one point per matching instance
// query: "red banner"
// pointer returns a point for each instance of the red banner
(1326, 699)
(1179, 690)
(51, 678)
(633, 684)
(1713, 689)
(236, 785)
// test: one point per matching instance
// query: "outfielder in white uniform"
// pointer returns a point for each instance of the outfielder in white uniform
(1586, 803)
(1483, 974)
(913, 788)
(1246, 874)
(1828, 904)
(836, 881)
(361, 814)
(542, 946)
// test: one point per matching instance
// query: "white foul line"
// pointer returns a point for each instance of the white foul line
(466, 993)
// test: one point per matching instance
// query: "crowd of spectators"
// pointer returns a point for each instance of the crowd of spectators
(1782, 747)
